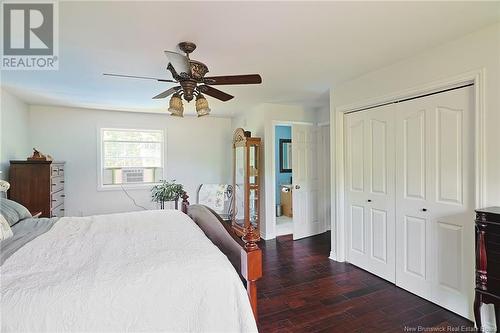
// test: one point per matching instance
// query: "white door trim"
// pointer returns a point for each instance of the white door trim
(339, 244)
(271, 190)
(327, 186)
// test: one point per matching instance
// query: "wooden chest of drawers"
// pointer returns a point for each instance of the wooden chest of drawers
(39, 186)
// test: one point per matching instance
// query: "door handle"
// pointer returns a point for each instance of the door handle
(369, 200)
(297, 187)
(424, 209)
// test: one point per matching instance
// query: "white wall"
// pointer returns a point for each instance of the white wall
(323, 114)
(324, 162)
(324, 172)
(14, 131)
(198, 150)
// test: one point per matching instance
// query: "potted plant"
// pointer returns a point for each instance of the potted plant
(166, 191)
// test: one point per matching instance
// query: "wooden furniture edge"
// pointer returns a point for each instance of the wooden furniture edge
(486, 290)
(250, 253)
(185, 202)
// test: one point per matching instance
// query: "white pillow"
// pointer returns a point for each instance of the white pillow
(5, 230)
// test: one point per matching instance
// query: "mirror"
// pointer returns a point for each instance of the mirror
(285, 155)
(253, 208)
(254, 172)
(239, 203)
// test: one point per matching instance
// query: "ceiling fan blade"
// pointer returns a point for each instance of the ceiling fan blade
(215, 93)
(139, 77)
(179, 62)
(167, 92)
(234, 79)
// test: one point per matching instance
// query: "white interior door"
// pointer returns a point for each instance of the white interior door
(370, 190)
(306, 221)
(435, 198)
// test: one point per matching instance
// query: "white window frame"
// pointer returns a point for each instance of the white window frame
(100, 158)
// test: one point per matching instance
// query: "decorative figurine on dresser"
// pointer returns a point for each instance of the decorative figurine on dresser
(246, 179)
(487, 262)
(38, 184)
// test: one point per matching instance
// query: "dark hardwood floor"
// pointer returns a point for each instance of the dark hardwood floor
(304, 291)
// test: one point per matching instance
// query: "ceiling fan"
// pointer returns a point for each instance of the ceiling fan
(190, 75)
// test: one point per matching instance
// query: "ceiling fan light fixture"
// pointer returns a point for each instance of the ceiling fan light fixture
(175, 106)
(191, 82)
(202, 108)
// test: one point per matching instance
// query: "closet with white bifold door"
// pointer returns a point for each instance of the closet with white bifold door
(409, 195)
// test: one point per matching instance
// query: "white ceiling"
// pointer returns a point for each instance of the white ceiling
(301, 49)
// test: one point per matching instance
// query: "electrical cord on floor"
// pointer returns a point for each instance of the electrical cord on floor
(131, 198)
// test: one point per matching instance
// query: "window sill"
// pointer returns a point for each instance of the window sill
(105, 188)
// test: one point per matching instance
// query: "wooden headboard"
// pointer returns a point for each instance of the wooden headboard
(243, 253)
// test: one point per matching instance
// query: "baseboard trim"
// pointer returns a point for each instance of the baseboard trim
(333, 256)
(266, 237)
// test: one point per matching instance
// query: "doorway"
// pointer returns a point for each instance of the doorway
(283, 179)
(301, 178)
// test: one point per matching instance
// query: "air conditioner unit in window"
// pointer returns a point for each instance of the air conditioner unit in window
(132, 175)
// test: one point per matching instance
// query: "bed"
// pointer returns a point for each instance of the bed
(164, 270)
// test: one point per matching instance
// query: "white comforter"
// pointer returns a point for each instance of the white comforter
(144, 271)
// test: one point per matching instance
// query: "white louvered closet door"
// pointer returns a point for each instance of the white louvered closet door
(435, 198)
(370, 191)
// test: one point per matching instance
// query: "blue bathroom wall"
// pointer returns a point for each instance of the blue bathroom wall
(282, 132)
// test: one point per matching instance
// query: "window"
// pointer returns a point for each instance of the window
(131, 157)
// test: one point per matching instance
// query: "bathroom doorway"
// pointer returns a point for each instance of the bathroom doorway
(283, 179)
(300, 194)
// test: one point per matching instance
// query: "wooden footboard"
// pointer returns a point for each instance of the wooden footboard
(243, 253)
